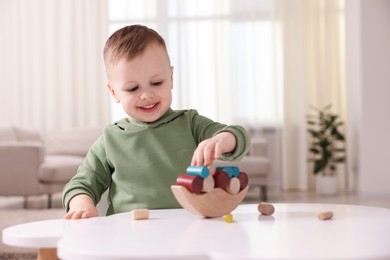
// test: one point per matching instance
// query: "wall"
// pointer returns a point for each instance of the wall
(373, 83)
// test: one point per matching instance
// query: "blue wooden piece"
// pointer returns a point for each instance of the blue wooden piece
(232, 171)
(201, 171)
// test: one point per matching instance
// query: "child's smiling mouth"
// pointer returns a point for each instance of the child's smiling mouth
(149, 108)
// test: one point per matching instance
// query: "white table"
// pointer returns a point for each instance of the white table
(292, 232)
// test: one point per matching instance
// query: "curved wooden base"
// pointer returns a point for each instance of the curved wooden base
(216, 203)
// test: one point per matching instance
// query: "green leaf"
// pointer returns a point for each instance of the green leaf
(336, 134)
(314, 133)
(339, 160)
(319, 165)
(315, 150)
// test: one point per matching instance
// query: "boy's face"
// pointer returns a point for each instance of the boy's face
(143, 85)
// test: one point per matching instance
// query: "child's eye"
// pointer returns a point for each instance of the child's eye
(133, 89)
(157, 83)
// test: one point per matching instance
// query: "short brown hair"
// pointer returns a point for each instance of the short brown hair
(129, 42)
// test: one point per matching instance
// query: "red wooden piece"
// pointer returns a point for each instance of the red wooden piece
(191, 182)
(243, 177)
(221, 179)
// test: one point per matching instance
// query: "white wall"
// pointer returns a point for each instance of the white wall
(369, 95)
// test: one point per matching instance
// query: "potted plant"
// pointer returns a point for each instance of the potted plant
(327, 148)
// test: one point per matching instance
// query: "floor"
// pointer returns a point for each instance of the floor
(37, 202)
(313, 197)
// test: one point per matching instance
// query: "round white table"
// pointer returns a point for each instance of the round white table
(292, 232)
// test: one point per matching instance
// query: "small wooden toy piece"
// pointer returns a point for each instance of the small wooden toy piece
(211, 170)
(221, 179)
(243, 177)
(139, 214)
(208, 184)
(201, 171)
(216, 203)
(228, 218)
(232, 171)
(234, 185)
(193, 183)
(266, 208)
(325, 215)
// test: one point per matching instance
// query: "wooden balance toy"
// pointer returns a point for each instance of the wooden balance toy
(230, 188)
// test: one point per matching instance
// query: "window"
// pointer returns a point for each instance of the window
(223, 53)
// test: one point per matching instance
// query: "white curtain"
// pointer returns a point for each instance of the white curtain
(313, 39)
(52, 73)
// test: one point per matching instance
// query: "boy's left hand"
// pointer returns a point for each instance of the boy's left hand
(212, 148)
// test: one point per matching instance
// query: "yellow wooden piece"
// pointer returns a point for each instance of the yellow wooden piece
(47, 254)
(228, 218)
(216, 203)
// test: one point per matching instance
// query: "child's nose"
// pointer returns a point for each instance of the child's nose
(147, 94)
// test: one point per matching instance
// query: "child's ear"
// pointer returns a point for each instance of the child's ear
(172, 68)
(112, 91)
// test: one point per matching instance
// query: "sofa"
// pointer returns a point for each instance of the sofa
(34, 163)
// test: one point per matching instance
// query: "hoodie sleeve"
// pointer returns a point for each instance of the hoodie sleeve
(204, 128)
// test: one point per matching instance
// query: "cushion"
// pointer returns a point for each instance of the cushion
(76, 141)
(28, 135)
(7, 133)
(59, 168)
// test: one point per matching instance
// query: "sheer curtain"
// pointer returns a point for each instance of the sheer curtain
(313, 39)
(52, 73)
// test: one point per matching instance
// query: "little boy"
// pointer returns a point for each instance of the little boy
(138, 158)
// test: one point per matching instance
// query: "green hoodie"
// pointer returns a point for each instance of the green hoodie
(140, 161)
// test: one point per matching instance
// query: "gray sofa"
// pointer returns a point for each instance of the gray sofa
(33, 163)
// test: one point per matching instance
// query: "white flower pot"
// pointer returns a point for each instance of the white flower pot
(327, 185)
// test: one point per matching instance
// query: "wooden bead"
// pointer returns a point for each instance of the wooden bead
(243, 178)
(221, 179)
(201, 171)
(234, 185)
(192, 183)
(266, 208)
(208, 184)
(139, 214)
(228, 218)
(325, 215)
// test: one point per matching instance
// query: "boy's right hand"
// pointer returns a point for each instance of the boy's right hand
(81, 206)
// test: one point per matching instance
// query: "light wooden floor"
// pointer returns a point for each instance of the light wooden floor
(313, 197)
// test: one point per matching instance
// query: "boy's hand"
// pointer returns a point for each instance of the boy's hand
(212, 148)
(81, 206)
